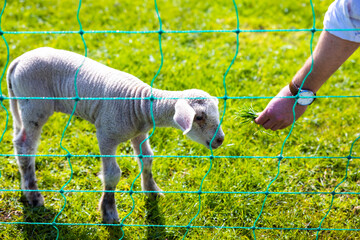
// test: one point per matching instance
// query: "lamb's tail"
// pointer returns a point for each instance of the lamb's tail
(14, 107)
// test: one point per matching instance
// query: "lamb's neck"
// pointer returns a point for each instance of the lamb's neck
(164, 108)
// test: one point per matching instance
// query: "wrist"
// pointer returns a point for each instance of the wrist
(305, 96)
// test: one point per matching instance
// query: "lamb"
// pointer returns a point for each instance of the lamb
(48, 72)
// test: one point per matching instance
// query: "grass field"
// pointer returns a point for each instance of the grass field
(265, 63)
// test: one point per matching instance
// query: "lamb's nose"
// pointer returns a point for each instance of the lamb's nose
(217, 142)
(220, 140)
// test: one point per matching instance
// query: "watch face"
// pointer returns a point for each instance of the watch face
(309, 97)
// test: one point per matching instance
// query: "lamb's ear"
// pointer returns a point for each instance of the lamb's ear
(184, 115)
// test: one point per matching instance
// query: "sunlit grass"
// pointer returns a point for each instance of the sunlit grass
(247, 114)
(247, 161)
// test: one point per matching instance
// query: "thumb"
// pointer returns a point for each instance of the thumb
(262, 118)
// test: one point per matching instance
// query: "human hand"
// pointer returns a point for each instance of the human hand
(278, 114)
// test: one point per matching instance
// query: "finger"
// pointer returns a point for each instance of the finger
(283, 126)
(276, 127)
(261, 119)
(269, 124)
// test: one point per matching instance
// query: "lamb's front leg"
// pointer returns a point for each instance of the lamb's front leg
(110, 176)
(147, 181)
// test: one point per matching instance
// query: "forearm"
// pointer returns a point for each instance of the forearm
(330, 53)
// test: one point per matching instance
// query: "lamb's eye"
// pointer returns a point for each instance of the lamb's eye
(199, 118)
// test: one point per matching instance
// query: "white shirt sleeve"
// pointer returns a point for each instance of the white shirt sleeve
(344, 14)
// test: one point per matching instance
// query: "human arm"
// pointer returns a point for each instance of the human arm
(329, 54)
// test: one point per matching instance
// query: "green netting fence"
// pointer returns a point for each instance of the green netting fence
(69, 156)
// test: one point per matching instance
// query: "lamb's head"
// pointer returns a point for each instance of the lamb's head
(198, 117)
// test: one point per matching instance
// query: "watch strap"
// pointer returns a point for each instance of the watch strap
(294, 89)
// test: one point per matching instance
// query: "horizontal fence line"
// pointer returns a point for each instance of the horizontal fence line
(181, 192)
(176, 156)
(182, 226)
(178, 31)
(3, 97)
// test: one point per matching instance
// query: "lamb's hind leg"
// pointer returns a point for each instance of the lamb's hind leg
(26, 138)
(147, 181)
(110, 176)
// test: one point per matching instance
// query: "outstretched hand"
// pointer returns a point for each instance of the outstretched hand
(278, 114)
(330, 53)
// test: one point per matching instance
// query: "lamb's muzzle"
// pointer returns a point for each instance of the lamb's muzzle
(46, 72)
(217, 142)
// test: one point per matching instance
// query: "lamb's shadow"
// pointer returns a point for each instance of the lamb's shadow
(154, 218)
(32, 227)
(154, 222)
(115, 233)
(30, 230)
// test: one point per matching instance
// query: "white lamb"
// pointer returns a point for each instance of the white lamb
(47, 72)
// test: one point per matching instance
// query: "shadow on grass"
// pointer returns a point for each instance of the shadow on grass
(45, 231)
(115, 233)
(154, 221)
(155, 218)
(37, 215)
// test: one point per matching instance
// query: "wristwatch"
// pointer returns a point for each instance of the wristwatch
(308, 94)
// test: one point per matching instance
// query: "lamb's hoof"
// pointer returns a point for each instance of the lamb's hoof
(108, 210)
(156, 194)
(35, 199)
(110, 217)
(152, 187)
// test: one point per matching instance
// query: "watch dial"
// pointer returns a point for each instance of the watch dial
(306, 101)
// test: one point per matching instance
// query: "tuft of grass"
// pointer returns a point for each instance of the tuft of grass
(247, 114)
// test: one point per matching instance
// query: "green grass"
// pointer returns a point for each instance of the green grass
(247, 114)
(266, 62)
